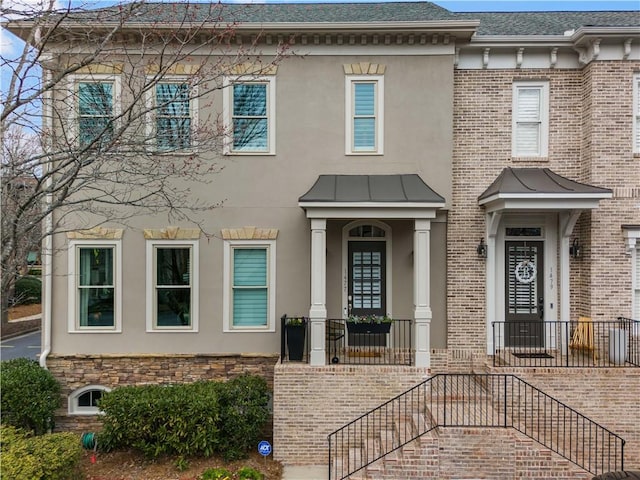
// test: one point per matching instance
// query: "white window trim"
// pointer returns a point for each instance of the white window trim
(544, 118)
(73, 261)
(379, 113)
(227, 309)
(75, 409)
(194, 109)
(74, 80)
(227, 112)
(636, 113)
(195, 286)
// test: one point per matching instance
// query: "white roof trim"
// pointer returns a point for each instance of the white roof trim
(545, 196)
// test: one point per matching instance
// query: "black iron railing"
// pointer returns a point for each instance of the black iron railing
(349, 343)
(582, 343)
(370, 344)
(468, 400)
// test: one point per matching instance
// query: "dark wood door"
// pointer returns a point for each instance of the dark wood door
(524, 294)
(367, 278)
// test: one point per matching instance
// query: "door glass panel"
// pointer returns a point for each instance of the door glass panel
(522, 273)
(366, 277)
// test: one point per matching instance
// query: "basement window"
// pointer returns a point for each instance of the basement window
(84, 401)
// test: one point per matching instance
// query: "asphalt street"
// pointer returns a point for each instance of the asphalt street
(27, 346)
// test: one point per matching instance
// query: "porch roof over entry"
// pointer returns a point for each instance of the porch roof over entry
(369, 196)
(539, 188)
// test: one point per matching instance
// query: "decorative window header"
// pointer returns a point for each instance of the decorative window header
(100, 233)
(103, 69)
(249, 233)
(252, 68)
(364, 68)
(172, 233)
(176, 69)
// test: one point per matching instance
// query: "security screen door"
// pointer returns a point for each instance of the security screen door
(367, 283)
(524, 294)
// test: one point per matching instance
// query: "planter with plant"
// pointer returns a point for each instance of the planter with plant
(295, 328)
(369, 324)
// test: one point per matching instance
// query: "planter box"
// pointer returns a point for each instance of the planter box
(354, 327)
(295, 341)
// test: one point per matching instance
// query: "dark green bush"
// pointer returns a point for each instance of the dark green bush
(54, 456)
(200, 418)
(28, 290)
(29, 395)
(244, 413)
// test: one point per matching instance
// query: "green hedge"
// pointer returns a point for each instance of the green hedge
(28, 290)
(54, 456)
(200, 418)
(29, 395)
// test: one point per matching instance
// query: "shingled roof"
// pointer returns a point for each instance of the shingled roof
(491, 23)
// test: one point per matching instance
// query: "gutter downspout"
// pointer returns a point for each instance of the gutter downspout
(48, 239)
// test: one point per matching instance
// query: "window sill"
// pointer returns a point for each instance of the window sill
(249, 330)
(91, 330)
(172, 330)
(251, 154)
(530, 159)
(362, 154)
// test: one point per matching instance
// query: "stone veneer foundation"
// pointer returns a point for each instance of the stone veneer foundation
(77, 371)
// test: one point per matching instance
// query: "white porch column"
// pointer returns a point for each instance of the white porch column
(568, 221)
(492, 221)
(318, 310)
(421, 292)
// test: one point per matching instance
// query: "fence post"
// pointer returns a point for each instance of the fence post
(505, 401)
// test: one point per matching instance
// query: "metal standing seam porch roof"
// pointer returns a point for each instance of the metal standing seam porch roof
(536, 185)
(371, 189)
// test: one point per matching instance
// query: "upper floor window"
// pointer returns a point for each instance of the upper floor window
(172, 285)
(636, 113)
(174, 114)
(530, 129)
(94, 286)
(250, 115)
(95, 112)
(364, 107)
(249, 268)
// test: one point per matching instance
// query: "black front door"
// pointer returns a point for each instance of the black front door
(367, 272)
(524, 294)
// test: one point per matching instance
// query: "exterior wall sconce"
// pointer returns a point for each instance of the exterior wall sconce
(575, 250)
(481, 249)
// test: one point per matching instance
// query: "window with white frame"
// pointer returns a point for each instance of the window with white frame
(249, 287)
(250, 115)
(95, 286)
(364, 114)
(636, 113)
(175, 112)
(84, 401)
(530, 129)
(172, 285)
(96, 109)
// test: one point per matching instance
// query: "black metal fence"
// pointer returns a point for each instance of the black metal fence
(350, 343)
(582, 343)
(468, 400)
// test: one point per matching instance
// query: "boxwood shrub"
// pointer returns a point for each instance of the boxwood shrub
(28, 290)
(54, 456)
(199, 418)
(29, 395)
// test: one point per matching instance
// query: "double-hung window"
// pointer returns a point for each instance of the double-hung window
(173, 114)
(636, 113)
(249, 286)
(364, 119)
(95, 286)
(172, 283)
(95, 111)
(250, 115)
(530, 124)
